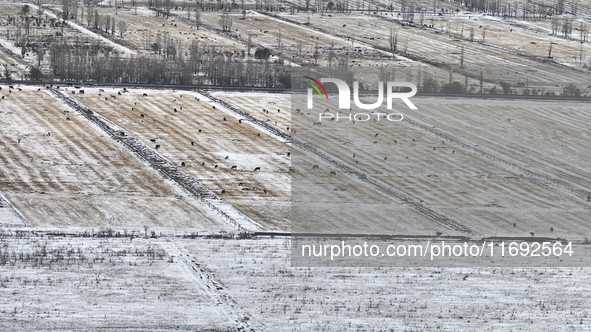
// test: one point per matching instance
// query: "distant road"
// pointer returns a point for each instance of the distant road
(275, 90)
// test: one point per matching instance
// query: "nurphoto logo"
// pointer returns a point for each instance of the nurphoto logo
(345, 93)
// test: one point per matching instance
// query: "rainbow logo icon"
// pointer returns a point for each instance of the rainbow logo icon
(316, 87)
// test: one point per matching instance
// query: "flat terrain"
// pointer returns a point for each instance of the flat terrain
(217, 149)
(59, 170)
(218, 285)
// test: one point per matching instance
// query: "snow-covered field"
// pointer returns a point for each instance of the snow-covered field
(59, 170)
(226, 285)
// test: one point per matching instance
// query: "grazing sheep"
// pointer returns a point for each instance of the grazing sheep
(101, 90)
(376, 135)
(225, 119)
(333, 173)
(199, 130)
(213, 107)
(81, 91)
(145, 94)
(175, 110)
(531, 233)
(192, 143)
(257, 169)
(240, 121)
(183, 164)
(551, 229)
(157, 146)
(67, 119)
(141, 115)
(289, 154)
(315, 167)
(216, 166)
(234, 167)
(223, 191)
(203, 163)
(153, 140)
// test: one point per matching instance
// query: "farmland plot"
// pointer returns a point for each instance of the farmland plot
(38, 31)
(471, 189)
(58, 170)
(497, 65)
(74, 284)
(293, 41)
(334, 219)
(145, 29)
(516, 39)
(243, 165)
(549, 138)
(318, 299)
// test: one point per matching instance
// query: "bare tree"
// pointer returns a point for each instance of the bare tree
(225, 22)
(393, 39)
(122, 28)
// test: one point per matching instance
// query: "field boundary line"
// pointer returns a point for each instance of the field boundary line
(15, 210)
(163, 166)
(217, 293)
(348, 170)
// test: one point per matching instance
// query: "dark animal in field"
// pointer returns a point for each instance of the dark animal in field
(257, 169)
(333, 173)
